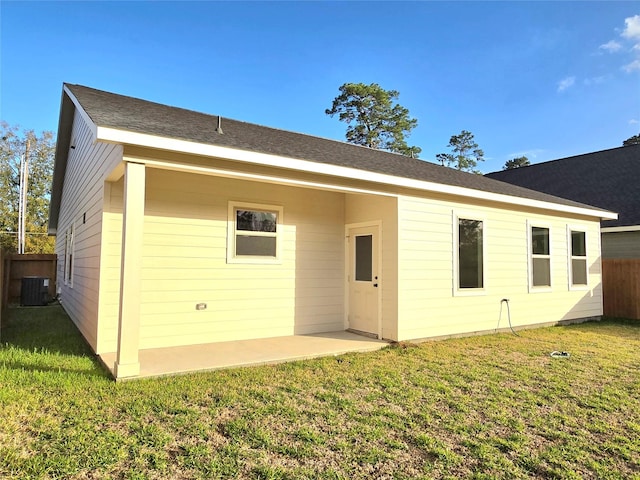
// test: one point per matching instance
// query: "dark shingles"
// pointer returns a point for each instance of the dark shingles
(131, 114)
(608, 179)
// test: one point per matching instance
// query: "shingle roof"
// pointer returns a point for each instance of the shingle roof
(131, 114)
(608, 179)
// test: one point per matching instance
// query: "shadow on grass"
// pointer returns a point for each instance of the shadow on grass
(45, 339)
(611, 326)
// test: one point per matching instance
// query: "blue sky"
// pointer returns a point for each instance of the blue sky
(542, 79)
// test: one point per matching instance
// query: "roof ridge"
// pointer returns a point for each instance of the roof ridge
(584, 154)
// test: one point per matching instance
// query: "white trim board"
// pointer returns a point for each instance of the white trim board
(630, 228)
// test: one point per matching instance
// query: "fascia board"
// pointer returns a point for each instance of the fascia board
(63, 141)
(629, 228)
(85, 116)
(113, 135)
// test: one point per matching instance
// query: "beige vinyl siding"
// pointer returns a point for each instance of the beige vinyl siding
(184, 264)
(81, 207)
(621, 244)
(110, 266)
(427, 306)
(368, 208)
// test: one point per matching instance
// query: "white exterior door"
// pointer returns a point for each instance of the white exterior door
(363, 279)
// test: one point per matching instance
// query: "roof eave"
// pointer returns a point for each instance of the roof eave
(114, 135)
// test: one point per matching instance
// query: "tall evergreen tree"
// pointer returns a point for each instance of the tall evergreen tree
(516, 162)
(465, 153)
(635, 140)
(373, 118)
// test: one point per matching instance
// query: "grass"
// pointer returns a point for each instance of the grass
(495, 406)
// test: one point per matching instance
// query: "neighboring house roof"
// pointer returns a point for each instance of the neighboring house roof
(111, 112)
(608, 179)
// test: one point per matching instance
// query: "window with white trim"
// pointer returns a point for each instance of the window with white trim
(578, 261)
(539, 257)
(68, 257)
(254, 232)
(469, 254)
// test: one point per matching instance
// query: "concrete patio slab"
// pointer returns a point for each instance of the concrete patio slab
(156, 362)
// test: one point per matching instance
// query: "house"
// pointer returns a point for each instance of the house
(608, 179)
(179, 228)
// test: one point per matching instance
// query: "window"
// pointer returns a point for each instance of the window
(470, 254)
(540, 257)
(364, 258)
(68, 257)
(578, 262)
(254, 232)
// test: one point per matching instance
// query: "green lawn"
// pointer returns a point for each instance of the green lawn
(496, 406)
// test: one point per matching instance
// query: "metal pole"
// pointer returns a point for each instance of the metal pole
(22, 205)
(24, 202)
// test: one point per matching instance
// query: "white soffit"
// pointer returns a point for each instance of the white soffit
(220, 172)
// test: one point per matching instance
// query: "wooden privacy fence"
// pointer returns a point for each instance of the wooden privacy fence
(621, 287)
(1, 287)
(15, 267)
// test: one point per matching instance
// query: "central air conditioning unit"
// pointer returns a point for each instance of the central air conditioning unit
(34, 291)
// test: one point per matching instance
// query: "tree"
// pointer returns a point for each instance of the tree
(635, 140)
(40, 151)
(373, 119)
(516, 162)
(465, 153)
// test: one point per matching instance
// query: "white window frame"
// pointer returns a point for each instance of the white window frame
(231, 233)
(531, 256)
(69, 255)
(462, 292)
(571, 257)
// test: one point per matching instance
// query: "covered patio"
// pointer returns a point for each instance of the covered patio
(156, 362)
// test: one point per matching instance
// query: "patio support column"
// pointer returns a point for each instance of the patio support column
(127, 362)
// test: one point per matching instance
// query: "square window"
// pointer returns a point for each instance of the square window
(253, 233)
